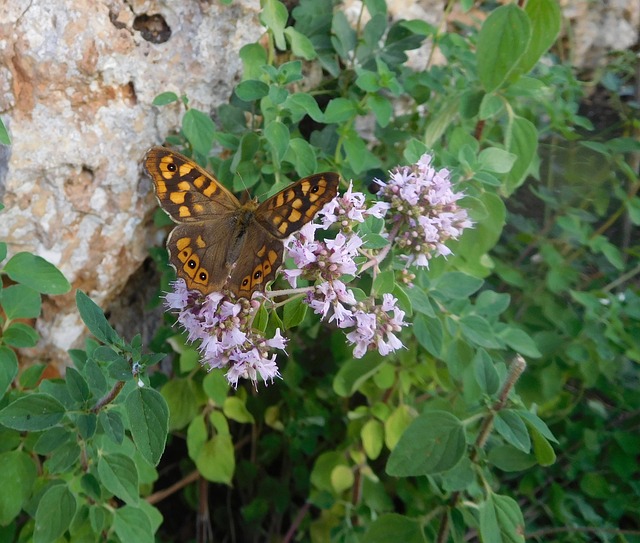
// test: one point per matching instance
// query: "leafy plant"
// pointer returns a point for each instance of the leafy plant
(72, 446)
(522, 341)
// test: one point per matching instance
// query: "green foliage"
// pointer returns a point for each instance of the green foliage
(69, 447)
(453, 438)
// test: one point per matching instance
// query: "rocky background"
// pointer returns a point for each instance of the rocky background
(77, 79)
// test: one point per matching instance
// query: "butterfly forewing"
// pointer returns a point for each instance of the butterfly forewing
(293, 207)
(187, 192)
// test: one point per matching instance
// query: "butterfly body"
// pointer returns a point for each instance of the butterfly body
(220, 244)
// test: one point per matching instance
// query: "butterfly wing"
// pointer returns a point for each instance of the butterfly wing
(187, 192)
(293, 207)
(273, 221)
(257, 264)
(201, 247)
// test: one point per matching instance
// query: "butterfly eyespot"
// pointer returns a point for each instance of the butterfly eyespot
(257, 275)
(315, 189)
(203, 276)
(172, 167)
(192, 264)
(245, 282)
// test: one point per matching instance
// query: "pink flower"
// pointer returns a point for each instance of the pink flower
(350, 208)
(423, 206)
(227, 337)
(376, 328)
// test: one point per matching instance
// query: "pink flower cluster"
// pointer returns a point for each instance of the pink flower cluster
(226, 333)
(326, 262)
(419, 207)
(423, 205)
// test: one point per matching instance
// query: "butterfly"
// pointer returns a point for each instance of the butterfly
(220, 244)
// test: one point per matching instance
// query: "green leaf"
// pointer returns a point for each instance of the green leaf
(8, 369)
(511, 427)
(501, 520)
(199, 129)
(165, 98)
(510, 459)
(62, 458)
(343, 36)
(77, 385)
(254, 57)
(359, 156)
(372, 435)
(342, 478)
(18, 473)
(355, 372)
(20, 302)
(3, 245)
(4, 135)
(216, 461)
(522, 142)
(457, 285)
(149, 418)
(274, 16)
(536, 422)
(301, 104)
(32, 413)
(443, 118)
(546, 21)
(520, 341)
(381, 108)
(119, 475)
(95, 377)
(301, 46)
(633, 210)
(112, 424)
(542, 449)
(20, 335)
(30, 377)
(375, 7)
(132, 525)
(434, 442)
(414, 150)
(479, 331)
(420, 301)
(216, 386)
(490, 106)
(485, 372)
(181, 398)
(429, 333)
(383, 282)
(395, 425)
(294, 313)
(35, 272)
(251, 90)
(277, 136)
(302, 155)
(394, 527)
(503, 39)
(94, 319)
(236, 409)
(339, 110)
(51, 439)
(496, 160)
(54, 514)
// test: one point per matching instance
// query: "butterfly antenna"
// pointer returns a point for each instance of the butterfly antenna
(246, 195)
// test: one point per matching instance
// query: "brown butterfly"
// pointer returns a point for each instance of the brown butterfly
(220, 244)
